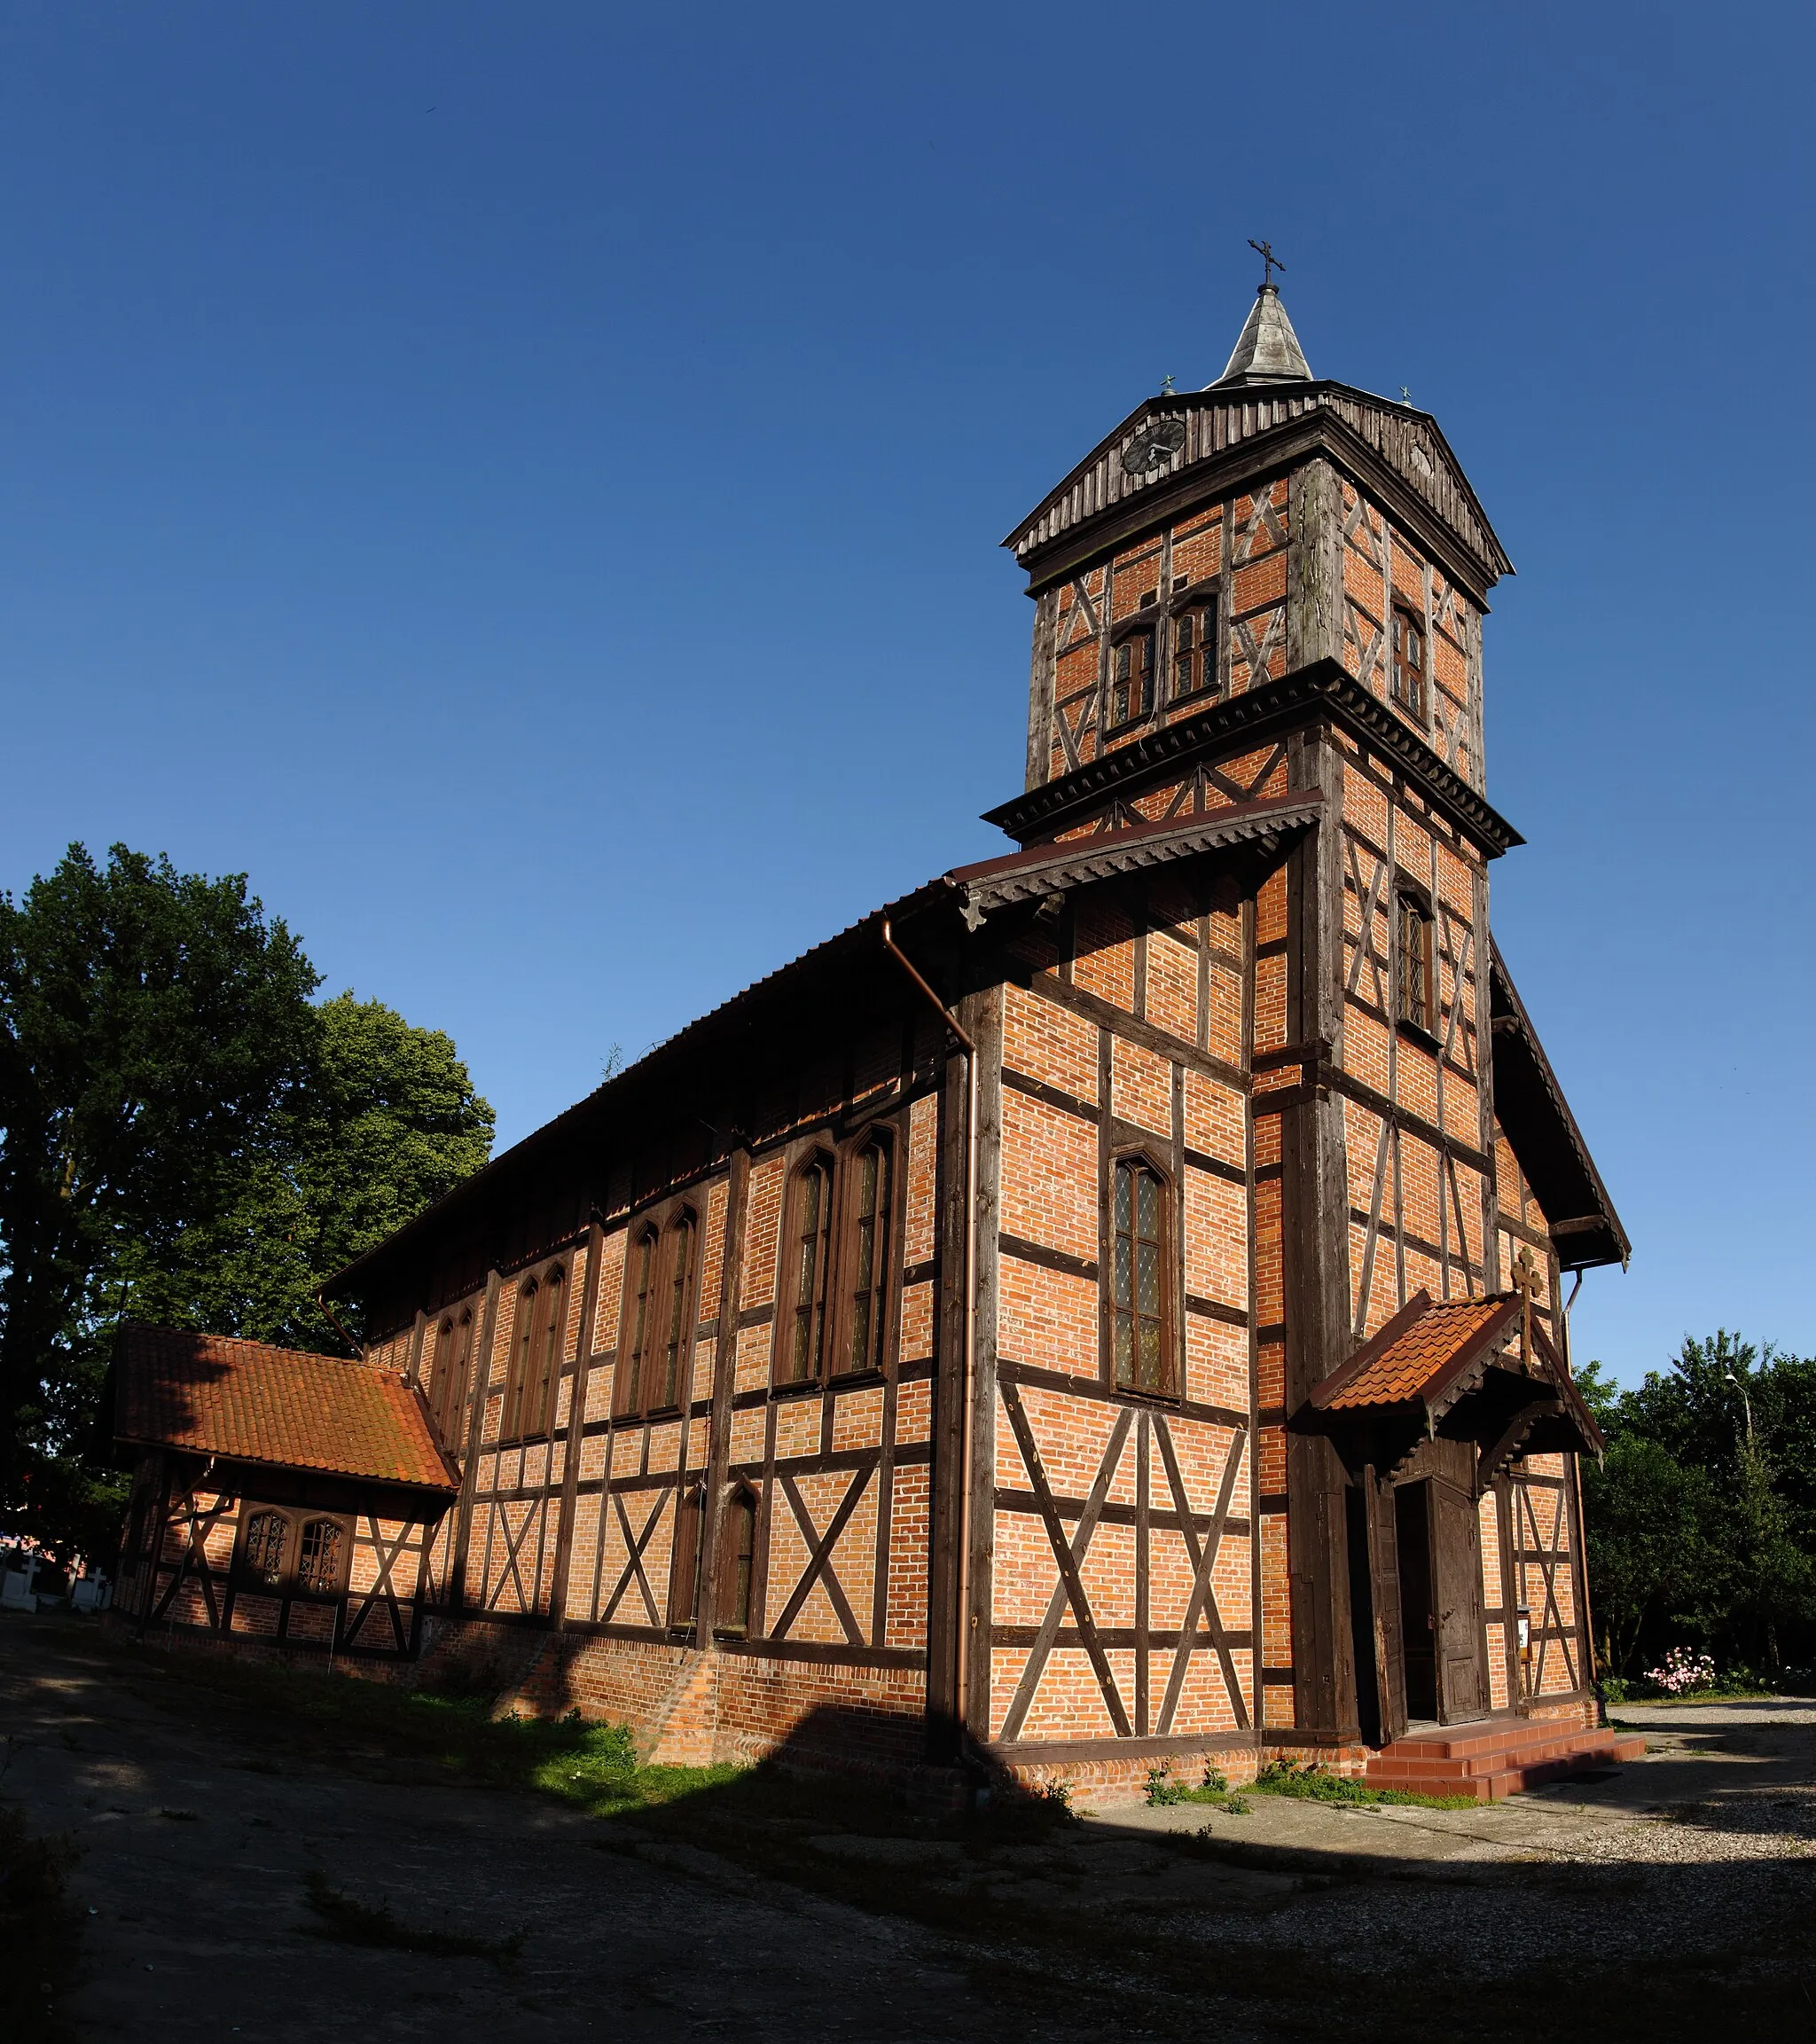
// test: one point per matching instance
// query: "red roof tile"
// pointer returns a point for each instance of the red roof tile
(1424, 1343)
(252, 1403)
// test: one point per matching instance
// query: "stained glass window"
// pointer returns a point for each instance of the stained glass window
(1138, 1305)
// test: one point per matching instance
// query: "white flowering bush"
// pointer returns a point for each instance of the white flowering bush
(1682, 1671)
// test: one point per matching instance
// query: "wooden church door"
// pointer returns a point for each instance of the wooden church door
(1456, 1578)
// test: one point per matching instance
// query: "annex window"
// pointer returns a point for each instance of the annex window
(868, 1290)
(809, 1247)
(684, 1580)
(737, 1558)
(639, 1320)
(319, 1557)
(1194, 649)
(1414, 1000)
(447, 1374)
(1132, 676)
(1141, 1319)
(262, 1548)
(1409, 663)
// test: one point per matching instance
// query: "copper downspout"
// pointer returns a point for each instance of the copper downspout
(333, 1318)
(961, 1615)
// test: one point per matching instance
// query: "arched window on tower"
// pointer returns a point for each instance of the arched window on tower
(1142, 1343)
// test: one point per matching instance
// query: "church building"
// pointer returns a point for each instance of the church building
(1105, 1308)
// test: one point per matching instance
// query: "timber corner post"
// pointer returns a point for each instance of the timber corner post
(1314, 1175)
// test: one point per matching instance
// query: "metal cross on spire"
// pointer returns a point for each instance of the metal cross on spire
(1264, 250)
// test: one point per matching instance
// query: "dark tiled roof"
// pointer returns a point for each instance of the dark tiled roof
(252, 1403)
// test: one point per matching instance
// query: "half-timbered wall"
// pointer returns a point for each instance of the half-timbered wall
(578, 1527)
(183, 1565)
(1232, 554)
(1120, 1603)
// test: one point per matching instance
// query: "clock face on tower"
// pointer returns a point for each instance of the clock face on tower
(1154, 446)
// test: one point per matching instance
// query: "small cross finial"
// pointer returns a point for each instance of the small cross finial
(1166, 386)
(1264, 250)
(1406, 395)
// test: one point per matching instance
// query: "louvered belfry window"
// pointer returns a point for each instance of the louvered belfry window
(1140, 1320)
(1132, 678)
(1194, 650)
(869, 1244)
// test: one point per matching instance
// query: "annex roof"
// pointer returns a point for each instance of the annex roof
(286, 1408)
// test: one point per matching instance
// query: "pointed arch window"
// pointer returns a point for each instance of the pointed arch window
(683, 1578)
(321, 1558)
(867, 1296)
(677, 1306)
(1143, 1348)
(639, 1320)
(448, 1368)
(1132, 676)
(1413, 968)
(263, 1549)
(1409, 663)
(809, 1244)
(737, 1561)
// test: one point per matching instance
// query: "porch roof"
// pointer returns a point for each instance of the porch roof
(288, 1408)
(1420, 1353)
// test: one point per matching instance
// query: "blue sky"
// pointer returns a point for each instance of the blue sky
(524, 483)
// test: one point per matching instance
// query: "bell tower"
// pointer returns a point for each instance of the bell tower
(1274, 587)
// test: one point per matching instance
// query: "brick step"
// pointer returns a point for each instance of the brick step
(1389, 1763)
(1497, 1735)
(1520, 1764)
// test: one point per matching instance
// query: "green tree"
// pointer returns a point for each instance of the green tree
(187, 1136)
(154, 1027)
(1701, 1520)
(389, 1122)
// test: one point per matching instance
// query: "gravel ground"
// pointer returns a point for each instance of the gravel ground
(1672, 1897)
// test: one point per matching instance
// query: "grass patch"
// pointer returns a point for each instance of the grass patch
(1213, 1789)
(376, 1728)
(1313, 1782)
(351, 1922)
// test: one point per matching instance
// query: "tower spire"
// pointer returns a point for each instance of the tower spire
(1267, 350)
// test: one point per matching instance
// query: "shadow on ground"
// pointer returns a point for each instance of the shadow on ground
(262, 1859)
